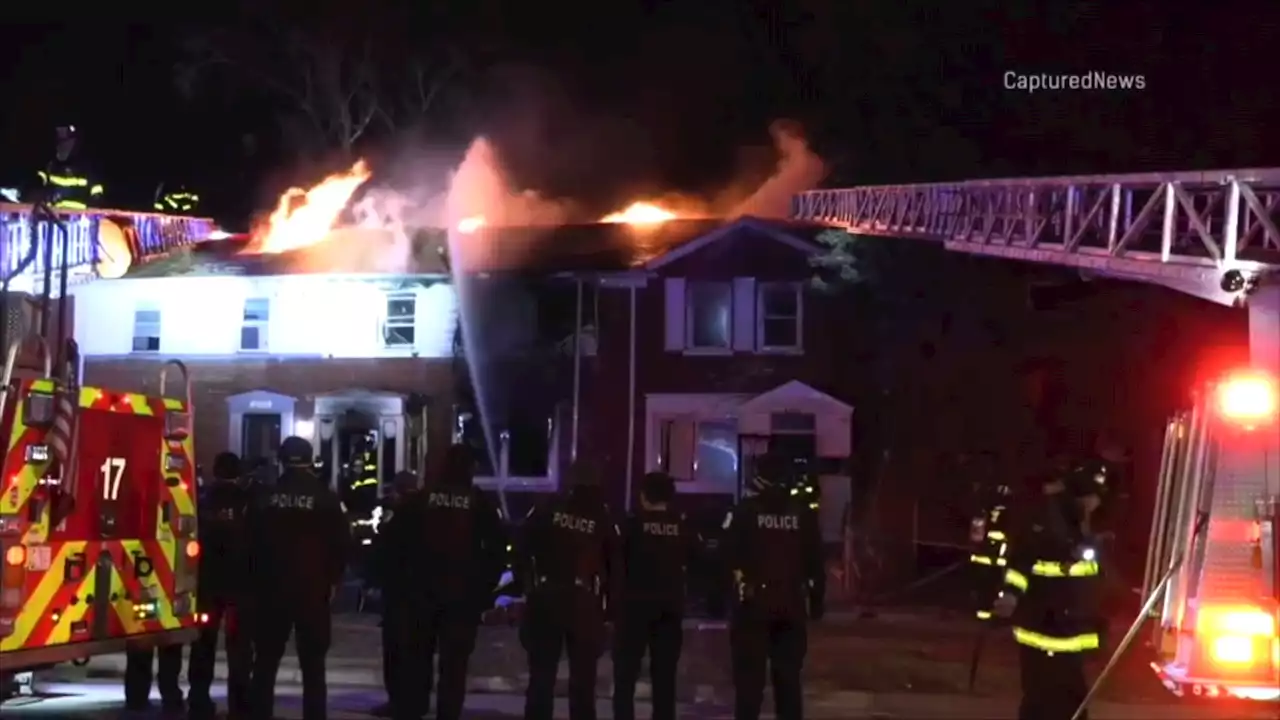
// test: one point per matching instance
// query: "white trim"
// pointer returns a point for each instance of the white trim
(725, 231)
(794, 349)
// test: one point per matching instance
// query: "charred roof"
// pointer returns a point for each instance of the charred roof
(568, 249)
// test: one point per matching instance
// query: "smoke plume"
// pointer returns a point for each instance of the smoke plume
(798, 170)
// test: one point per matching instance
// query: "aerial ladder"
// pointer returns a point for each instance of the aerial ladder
(1212, 577)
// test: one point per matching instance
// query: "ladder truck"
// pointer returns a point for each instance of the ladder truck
(98, 545)
(1213, 571)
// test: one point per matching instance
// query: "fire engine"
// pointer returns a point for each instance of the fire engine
(97, 516)
(1213, 546)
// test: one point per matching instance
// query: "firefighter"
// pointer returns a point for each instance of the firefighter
(61, 186)
(461, 547)
(176, 202)
(223, 571)
(658, 547)
(571, 557)
(300, 539)
(138, 676)
(393, 569)
(1051, 592)
(773, 548)
(988, 532)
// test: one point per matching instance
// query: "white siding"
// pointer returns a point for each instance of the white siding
(309, 315)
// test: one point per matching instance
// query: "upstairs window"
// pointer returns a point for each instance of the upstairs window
(253, 326)
(399, 329)
(779, 320)
(709, 316)
(146, 329)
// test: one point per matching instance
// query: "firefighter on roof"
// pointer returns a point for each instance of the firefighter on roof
(572, 559)
(1052, 589)
(176, 202)
(63, 188)
(300, 539)
(658, 545)
(224, 572)
(773, 548)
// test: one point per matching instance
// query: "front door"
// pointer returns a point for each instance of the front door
(260, 436)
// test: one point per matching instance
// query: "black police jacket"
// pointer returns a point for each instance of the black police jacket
(224, 539)
(572, 542)
(394, 562)
(300, 538)
(1055, 572)
(773, 548)
(658, 546)
(461, 541)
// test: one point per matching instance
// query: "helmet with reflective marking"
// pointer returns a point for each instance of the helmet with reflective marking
(295, 452)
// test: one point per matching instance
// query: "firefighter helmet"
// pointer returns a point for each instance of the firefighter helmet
(296, 452)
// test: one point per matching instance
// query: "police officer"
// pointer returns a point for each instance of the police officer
(658, 547)
(137, 679)
(988, 531)
(393, 569)
(1051, 592)
(300, 541)
(572, 561)
(224, 570)
(773, 547)
(461, 548)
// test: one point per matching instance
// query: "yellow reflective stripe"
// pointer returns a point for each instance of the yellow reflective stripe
(71, 205)
(175, 405)
(1072, 644)
(984, 614)
(984, 560)
(95, 190)
(1080, 568)
(138, 404)
(43, 386)
(1015, 579)
(996, 535)
(66, 181)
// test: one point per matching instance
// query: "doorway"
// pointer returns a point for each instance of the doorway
(260, 436)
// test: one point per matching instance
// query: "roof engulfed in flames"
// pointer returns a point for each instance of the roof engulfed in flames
(304, 217)
(307, 217)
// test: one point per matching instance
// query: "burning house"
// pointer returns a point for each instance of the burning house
(678, 345)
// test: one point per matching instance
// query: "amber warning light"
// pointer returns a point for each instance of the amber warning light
(1248, 399)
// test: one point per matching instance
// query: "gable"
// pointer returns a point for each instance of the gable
(795, 236)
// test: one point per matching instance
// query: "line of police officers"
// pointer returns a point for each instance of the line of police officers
(274, 555)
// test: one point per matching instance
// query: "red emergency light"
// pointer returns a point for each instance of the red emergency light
(1248, 398)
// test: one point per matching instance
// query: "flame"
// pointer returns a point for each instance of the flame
(640, 213)
(466, 226)
(303, 218)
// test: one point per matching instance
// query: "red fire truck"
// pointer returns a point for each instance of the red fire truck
(1214, 546)
(97, 517)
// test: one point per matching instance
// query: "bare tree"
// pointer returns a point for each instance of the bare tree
(328, 84)
(415, 91)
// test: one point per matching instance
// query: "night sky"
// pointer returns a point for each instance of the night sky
(603, 100)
